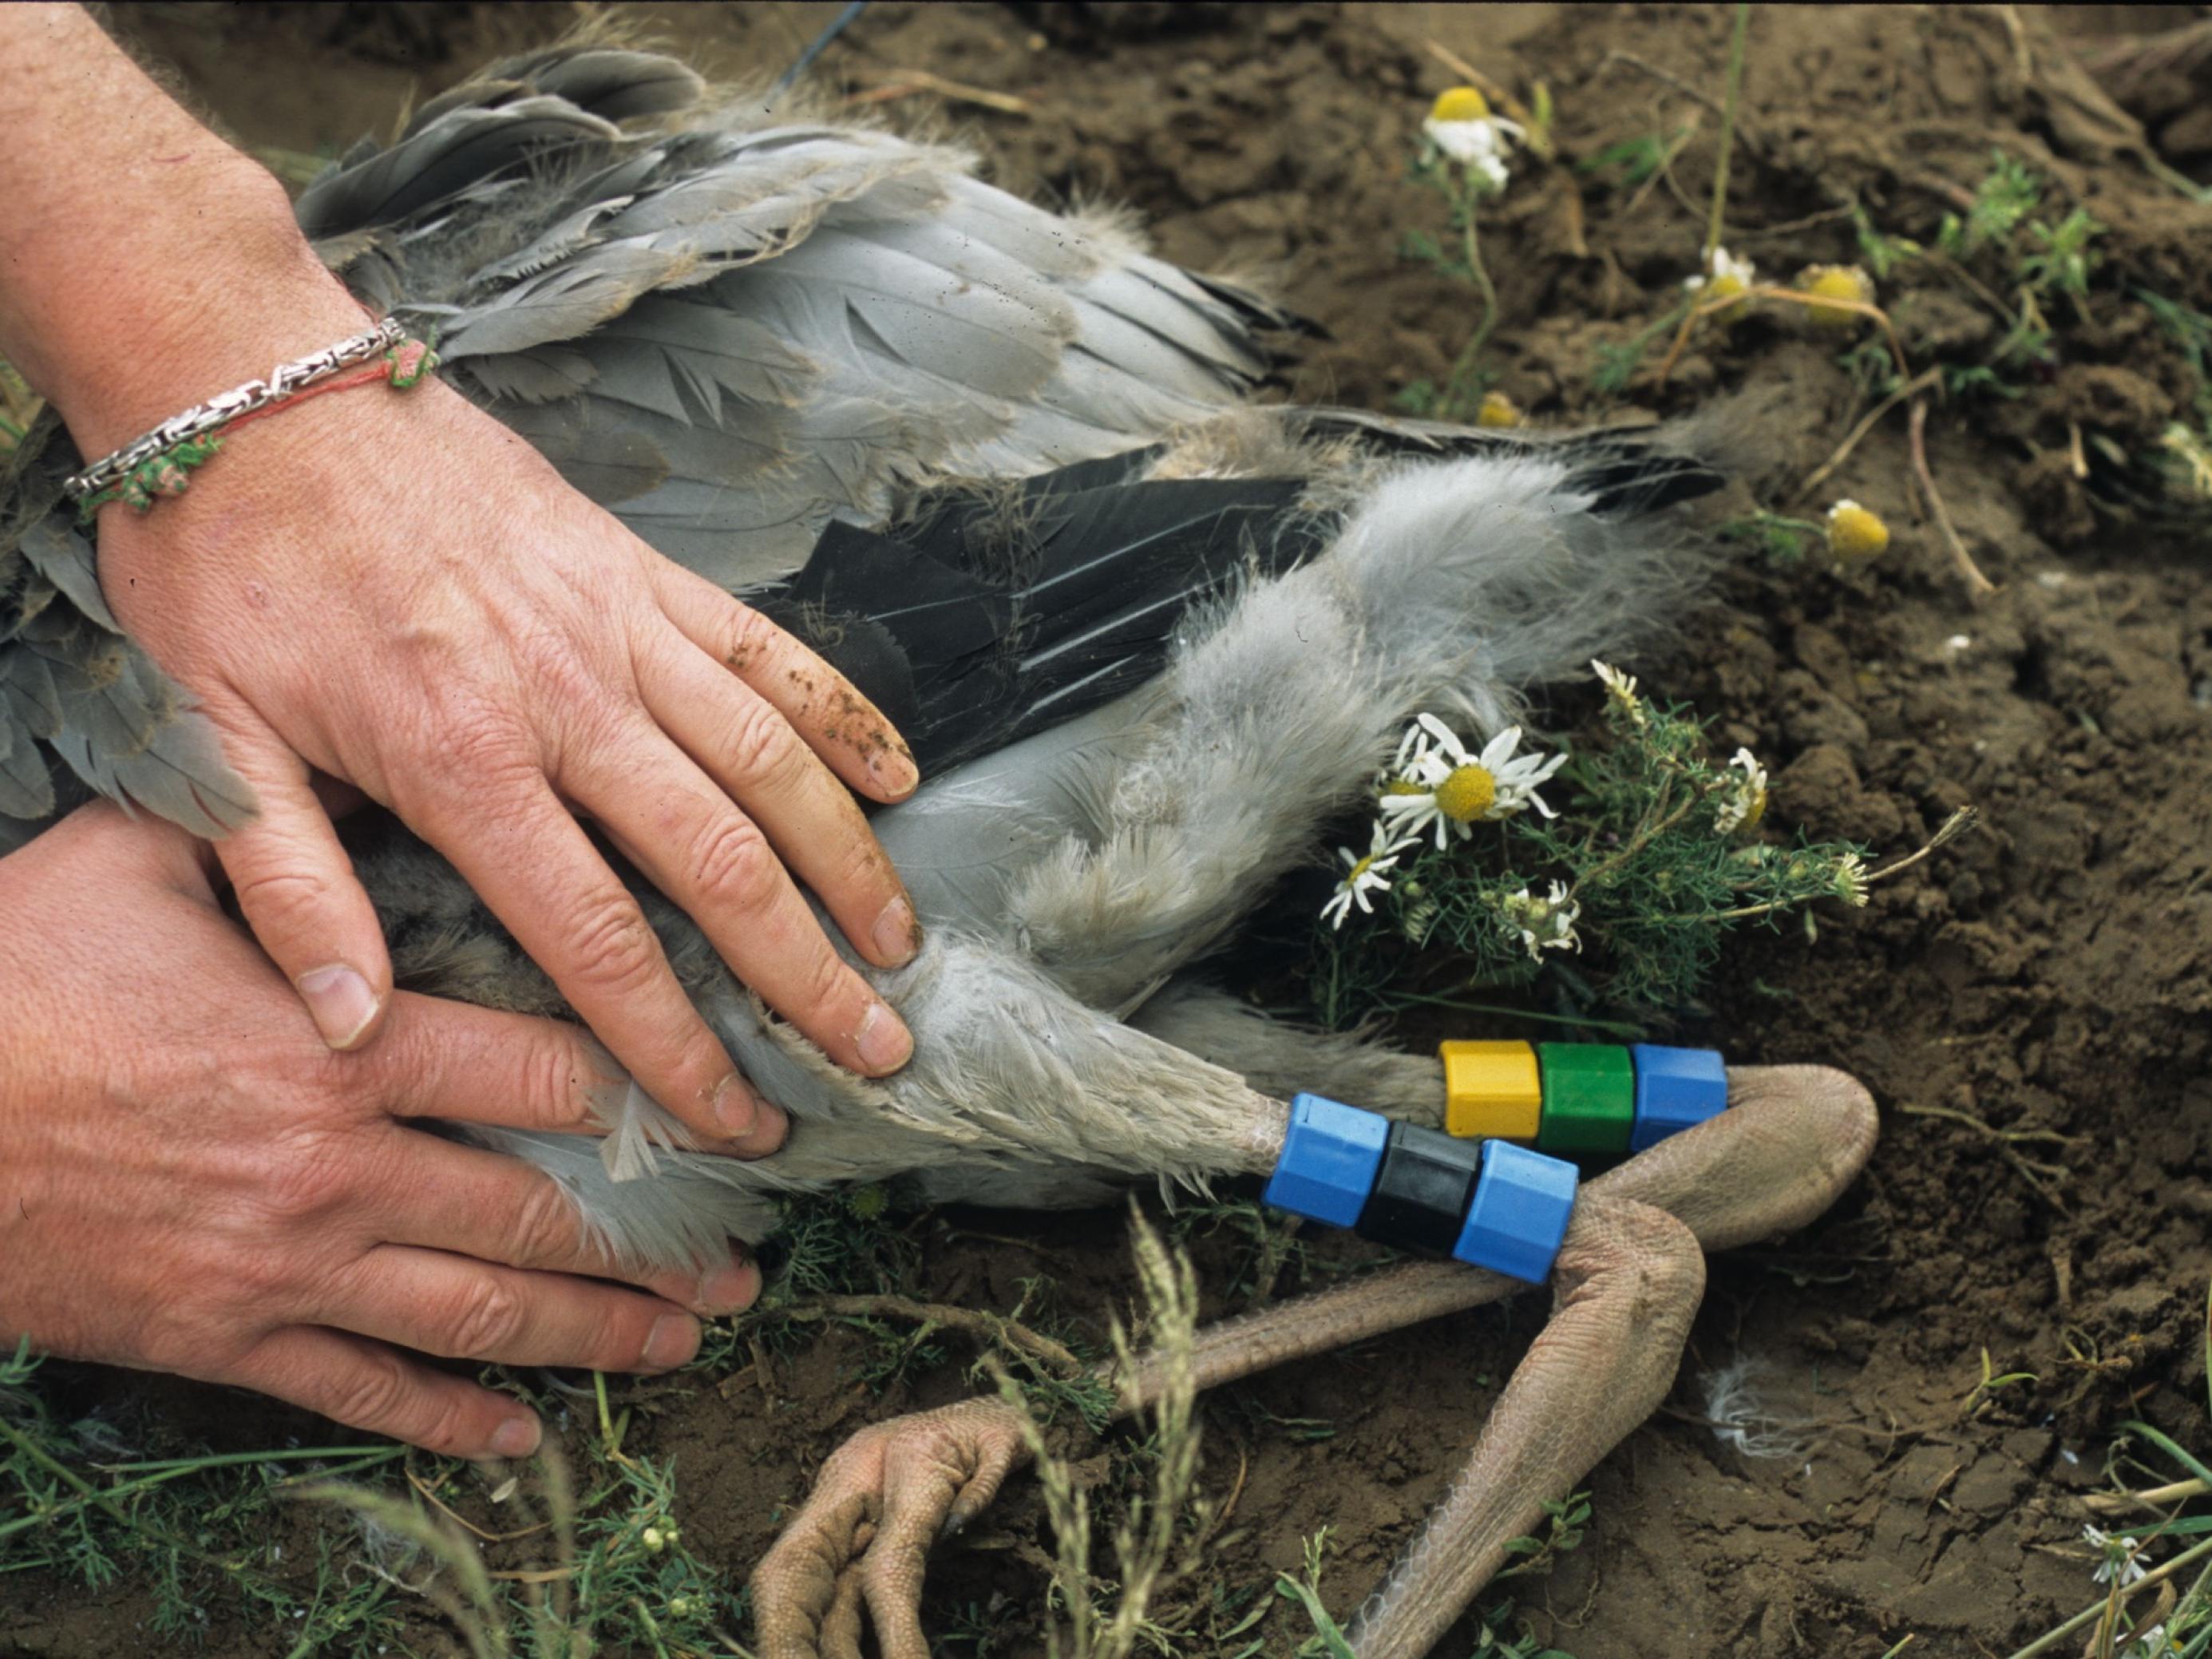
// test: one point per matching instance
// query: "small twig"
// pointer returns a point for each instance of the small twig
(1924, 382)
(462, 1522)
(2023, 62)
(1794, 226)
(986, 1326)
(2151, 1497)
(1663, 171)
(1793, 297)
(1949, 830)
(2036, 1175)
(1966, 279)
(1743, 128)
(1977, 586)
(902, 83)
(1236, 1493)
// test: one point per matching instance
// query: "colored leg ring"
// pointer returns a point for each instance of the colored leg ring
(1330, 1155)
(1421, 1192)
(1676, 1089)
(1491, 1089)
(1589, 1097)
(1488, 1203)
(1522, 1203)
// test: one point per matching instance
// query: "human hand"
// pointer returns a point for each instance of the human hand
(399, 591)
(192, 1181)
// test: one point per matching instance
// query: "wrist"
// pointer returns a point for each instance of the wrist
(247, 293)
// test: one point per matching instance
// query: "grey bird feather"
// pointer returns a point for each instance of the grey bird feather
(745, 327)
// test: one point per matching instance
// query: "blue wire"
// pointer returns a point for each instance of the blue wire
(822, 41)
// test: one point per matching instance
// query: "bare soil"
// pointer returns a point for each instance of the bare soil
(2045, 984)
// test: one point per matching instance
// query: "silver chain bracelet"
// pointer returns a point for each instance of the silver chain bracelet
(225, 407)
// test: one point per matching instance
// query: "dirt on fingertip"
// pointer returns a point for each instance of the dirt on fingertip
(1948, 1356)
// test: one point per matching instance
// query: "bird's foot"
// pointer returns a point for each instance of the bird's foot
(855, 1551)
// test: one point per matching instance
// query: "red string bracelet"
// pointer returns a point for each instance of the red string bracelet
(401, 368)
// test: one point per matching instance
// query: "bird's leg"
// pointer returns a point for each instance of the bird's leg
(1628, 1278)
(1627, 1281)
(1277, 1058)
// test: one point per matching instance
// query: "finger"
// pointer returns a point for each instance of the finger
(455, 1060)
(838, 722)
(713, 860)
(745, 744)
(298, 892)
(466, 1310)
(367, 1385)
(487, 1206)
(525, 850)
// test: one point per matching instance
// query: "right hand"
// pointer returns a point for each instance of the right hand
(191, 1181)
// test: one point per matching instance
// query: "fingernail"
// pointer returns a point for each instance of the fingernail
(341, 1002)
(893, 769)
(898, 935)
(729, 1288)
(737, 1108)
(885, 1042)
(516, 1438)
(674, 1339)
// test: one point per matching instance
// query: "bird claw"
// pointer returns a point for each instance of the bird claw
(860, 1543)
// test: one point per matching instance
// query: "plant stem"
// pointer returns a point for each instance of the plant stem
(92, 1495)
(1465, 366)
(1651, 828)
(1727, 128)
(1617, 1027)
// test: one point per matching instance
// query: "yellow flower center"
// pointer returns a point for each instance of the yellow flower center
(1855, 533)
(1352, 876)
(1754, 813)
(1460, 104)
(1466, 794)
(1837, 283)
(1497, 409)
(1403, 787)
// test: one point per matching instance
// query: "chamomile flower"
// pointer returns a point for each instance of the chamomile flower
(1546, 923)
(2122, 1561)
(1724, 276)
(1855, 533)
(2195, 457)
(1455, 788)
(1461, 129)
(1621, 691)
(1744, 803)
(1851, 879)
(1837, 283)
(1497, 410)
(1365, 874)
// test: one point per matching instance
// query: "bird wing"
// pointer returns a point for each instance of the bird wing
(74, 688)
(733, 333)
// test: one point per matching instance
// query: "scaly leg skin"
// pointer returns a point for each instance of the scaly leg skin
(1627, 1283)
